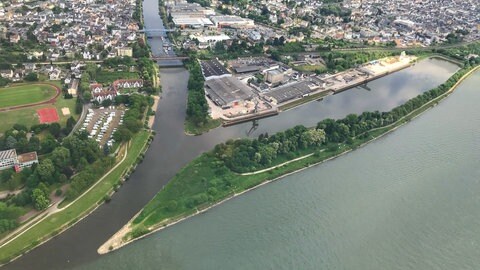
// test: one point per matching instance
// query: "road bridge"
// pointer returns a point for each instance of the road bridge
(169, 57)
(153, 30)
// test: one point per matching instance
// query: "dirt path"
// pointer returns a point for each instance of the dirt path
(6, 193)
(49, 101)
(151, 119)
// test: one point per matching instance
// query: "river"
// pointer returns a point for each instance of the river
(407, 201)
(172, 149)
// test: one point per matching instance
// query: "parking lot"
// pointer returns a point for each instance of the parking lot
(102, 123)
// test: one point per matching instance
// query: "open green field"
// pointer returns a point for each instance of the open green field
(310, 68)
(25, 94)
(107, 77)
(53, 224)
(28, 116)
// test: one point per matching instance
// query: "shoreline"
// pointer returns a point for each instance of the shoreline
(151, 119)
(76, 220)
(116, 241)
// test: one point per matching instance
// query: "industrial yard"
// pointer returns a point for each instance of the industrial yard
(252, 88)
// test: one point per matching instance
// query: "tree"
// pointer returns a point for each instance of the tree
(46, 170)
(61, 157)
(312, 137)
(10, 142)
(122, 134)
(31, 77)
(40, 199)
(48, 144)
(33, 144)
(70, 123)
(55, 129)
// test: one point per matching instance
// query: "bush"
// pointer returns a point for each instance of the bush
(172, 205)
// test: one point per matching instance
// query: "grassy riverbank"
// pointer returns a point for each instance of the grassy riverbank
(206, 181)
(191, 128)
(53, 224)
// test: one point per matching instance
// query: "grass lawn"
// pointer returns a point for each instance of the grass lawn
(107, 77)
(24, 94)
(28, 116)
(54, 224)
(310, 68)
(127, 91)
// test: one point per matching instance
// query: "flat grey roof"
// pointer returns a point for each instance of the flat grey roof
(244, 69)
(213, 68)
(224, 91)
(291, 91)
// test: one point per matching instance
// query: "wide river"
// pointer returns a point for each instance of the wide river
(410, 200)
(405, 201)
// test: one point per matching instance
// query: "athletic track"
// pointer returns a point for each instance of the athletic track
(49, 101)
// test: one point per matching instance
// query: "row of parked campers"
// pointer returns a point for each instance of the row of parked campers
(101, 125)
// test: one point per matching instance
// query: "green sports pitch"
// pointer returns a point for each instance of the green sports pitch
(25, 94)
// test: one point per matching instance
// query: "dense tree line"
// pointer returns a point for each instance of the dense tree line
(339, 61)
(463, 53)
(132, 120)
(197, 106)
(249, 155)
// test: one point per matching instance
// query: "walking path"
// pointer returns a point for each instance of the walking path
(279, 165)
(4, 194)
(151, 119)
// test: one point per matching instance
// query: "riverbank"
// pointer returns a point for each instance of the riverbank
(141, 227)
(59, 220)
(151, 119)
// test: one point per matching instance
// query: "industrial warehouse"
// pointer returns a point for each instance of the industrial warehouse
(227, 92)
(262, 87)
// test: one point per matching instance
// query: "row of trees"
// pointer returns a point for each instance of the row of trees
(246, 155)
(197, 106)
(132, 121)
(16, 137)
(339, 61)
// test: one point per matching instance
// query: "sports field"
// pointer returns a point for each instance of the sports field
(29, 116)
(25, 94)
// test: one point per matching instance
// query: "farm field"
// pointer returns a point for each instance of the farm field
(25, 94)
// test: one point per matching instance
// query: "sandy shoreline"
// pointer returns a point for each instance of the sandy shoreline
(151, 119)
(116, 241)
